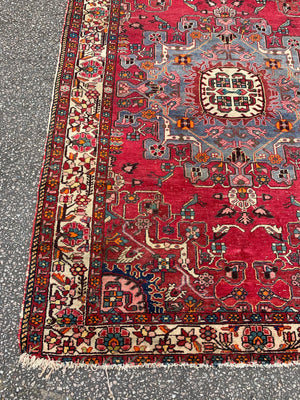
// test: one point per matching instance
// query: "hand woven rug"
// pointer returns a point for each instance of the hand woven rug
(167, 228)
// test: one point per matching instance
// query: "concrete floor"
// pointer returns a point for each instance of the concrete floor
(29, 44)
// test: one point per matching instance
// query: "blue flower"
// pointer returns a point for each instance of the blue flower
(101, 168)
(264, 359)
(66, 359)
(168, 360)
(47, 230)
(165, 318)
(97, 230)
(51, 198)
(96, 264)
(116, 318)
(99, 199)
(44, 264)
(218, 359)
(35, 338)
(39, 298)
(54, 167)
(93, 299)
(58, 139)
(297, 317)
(211, 318)
(256, 317)
(117, 360)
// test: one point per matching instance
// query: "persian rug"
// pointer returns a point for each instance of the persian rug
(167, 228)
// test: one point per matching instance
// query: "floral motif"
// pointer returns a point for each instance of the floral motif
(114, 340)
(91, 69)
(296, 280)
(192, 232)
(78, 269)
(147, 333)
(208, 333)
(257, 338)
(75, 233)
(69, 317)
(294, 236)
(239, 293)
(206, 280)
(157, 150)
(131, 198)
(165, 346)
(187, 339)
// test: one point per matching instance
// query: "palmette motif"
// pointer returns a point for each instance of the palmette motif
(168, 222)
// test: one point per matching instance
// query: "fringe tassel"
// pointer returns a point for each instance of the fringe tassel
(109, 385)
(48, 366)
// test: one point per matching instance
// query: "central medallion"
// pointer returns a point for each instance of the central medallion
(231, 93)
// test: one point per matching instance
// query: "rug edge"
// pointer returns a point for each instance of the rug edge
(48, 366)
(44, 166)
(40, 194)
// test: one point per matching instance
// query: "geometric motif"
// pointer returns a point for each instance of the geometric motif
(231, 93)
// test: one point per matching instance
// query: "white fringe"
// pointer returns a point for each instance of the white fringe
(46, 365)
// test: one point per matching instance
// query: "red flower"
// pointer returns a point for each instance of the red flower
(114, 340)
(165, 346)
(187, 339)
(147, 333)
(53, 340)
(78, 269)
(208, 333)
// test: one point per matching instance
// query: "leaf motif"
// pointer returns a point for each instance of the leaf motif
(219, 235)
(164, 329)
(238, 3)
(70, 217)
(65, 249)
(129, 168)
(197, 346)
(211, 3)
(220, 231)
(226, 211)
(262, 212)
(258, 9)
(286, 23)
(245, 218)
(56, 254)
(222, 228)
(275, 232)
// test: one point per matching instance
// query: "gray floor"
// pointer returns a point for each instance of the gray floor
(29, 42)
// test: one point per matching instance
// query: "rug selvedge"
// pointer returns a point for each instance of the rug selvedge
(167, 228)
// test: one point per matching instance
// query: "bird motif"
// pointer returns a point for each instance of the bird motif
(292, 202)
